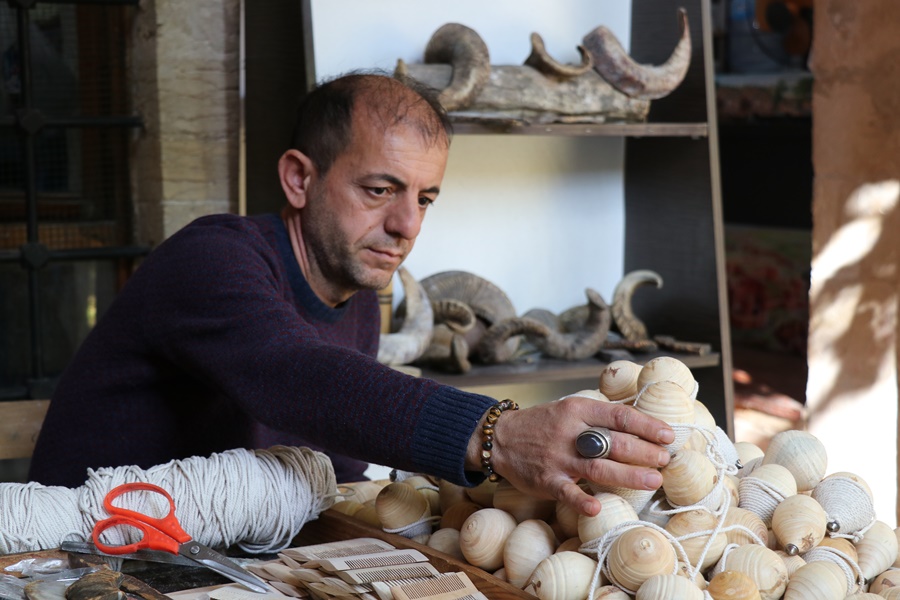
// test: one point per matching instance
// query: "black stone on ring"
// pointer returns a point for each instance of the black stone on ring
(594, 442)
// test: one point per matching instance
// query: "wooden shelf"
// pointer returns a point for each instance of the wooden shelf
(542, 370)
(692, 130)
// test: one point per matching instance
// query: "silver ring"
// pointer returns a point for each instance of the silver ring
(594, 442)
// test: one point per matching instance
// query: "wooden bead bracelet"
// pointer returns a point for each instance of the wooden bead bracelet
(487, 429)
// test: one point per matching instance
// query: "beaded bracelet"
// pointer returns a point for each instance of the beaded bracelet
(487, 429)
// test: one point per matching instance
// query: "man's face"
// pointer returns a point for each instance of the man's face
(361, 220)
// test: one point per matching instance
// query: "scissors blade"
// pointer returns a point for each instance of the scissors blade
(142, 554)
(222, 565)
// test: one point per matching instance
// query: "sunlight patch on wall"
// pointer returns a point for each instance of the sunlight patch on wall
(852, 355)
(847, 250)
(827, 324)
(867, 206)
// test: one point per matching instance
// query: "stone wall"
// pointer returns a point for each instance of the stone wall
(852, 390)
(185, 58)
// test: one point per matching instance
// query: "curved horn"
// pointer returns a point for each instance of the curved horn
(573, 319)
(410, 342)
(463, 48)
(583, 343)
(447, 351)
(541, 60)
(644, 82)
(402, 69)
(488, 301)
(493, 347)
(631, 328)
(456, 315)
(546, 317)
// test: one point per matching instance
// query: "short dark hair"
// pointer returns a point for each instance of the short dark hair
(324, 118)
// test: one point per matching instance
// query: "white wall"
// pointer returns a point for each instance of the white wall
(541, 217)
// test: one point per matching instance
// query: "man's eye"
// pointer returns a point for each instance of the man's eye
(379, 191)
(425, 201)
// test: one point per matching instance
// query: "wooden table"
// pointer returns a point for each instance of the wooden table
(332, 526)
(329, 527)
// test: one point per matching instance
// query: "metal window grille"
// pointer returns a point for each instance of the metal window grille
(65, 207)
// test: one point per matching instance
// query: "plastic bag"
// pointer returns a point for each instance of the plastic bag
(12, 588)
(37, 566)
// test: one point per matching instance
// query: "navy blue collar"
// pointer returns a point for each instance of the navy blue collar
(304, 294)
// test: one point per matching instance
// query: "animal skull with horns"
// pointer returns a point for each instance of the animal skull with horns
(607, 85)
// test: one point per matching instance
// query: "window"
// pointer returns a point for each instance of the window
(65, 207)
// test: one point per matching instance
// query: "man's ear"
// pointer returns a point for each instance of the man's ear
(295, 170)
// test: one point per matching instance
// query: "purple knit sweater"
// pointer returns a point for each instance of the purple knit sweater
(218, 342)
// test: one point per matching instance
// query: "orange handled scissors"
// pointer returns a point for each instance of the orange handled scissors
(166, 535)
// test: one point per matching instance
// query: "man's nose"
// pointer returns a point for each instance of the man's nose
(404, 217)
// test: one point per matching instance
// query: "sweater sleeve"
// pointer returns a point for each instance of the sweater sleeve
(213, 300)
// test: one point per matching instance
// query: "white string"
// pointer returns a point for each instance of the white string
(31, 514)
(256, 499)
(602, 546)
(847, 504)
(635, 396)
(421, 526)
(746, 530)
(851, 569)
(721, 565)
(724, 458)
(747, 469)
(759, 497)
(681, 433)
(638, 499)
(718, 500)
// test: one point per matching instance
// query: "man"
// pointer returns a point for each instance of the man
(255, 331)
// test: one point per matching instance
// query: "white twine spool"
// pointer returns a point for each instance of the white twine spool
(258, 500)
(33, 516)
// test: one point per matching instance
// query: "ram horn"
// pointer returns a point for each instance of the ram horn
(546, 317)
(644, 82)
(573, 319)
(631, 328)
(541, 60)
(407, 344)
(457, 316)
(493, 347)
(583, 343)
(489, 302)
(448, 351)
(466, 52)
